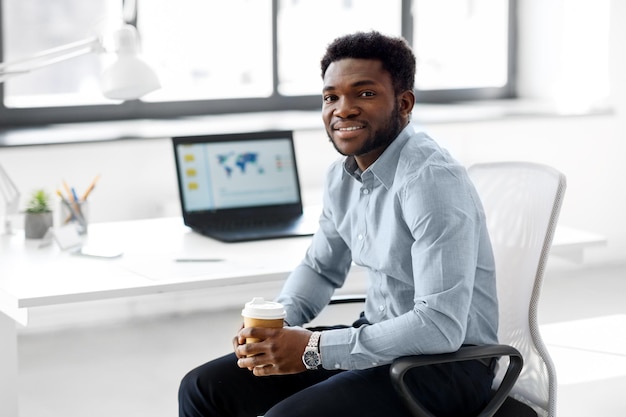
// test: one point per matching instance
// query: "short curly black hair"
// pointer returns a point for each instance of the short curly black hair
(394, 53)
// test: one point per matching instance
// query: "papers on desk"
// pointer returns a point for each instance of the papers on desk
(172, 267)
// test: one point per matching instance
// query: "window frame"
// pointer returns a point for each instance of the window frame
(137, 109)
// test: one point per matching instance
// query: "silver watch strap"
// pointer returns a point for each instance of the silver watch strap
(314, 340)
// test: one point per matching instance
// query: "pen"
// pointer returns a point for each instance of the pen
(75, 202)
(79, 217)
(67, 190)
(90, 187)
(198, 260)
(72, 200)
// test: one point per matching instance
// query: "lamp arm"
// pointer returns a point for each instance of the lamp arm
(50, 56)
(7, 186)
(128, 78)
(11, 196)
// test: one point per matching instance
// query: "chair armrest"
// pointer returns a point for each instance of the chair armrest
(401, 366)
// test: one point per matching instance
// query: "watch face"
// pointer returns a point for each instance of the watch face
(311, 359)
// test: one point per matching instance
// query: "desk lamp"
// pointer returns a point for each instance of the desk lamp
(11, 196)
(128, 78)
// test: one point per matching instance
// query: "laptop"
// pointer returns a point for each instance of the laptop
(242, 186)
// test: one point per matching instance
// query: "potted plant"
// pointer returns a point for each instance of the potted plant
(38, 217)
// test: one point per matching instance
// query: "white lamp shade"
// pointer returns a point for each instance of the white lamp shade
(129, 78)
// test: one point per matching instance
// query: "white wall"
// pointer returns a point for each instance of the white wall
(137, 177)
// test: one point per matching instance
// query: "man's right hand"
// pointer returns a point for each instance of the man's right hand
(278, 353)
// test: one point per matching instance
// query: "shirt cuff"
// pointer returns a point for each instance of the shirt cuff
(335, 348)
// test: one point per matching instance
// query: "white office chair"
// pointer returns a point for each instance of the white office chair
(522, 202)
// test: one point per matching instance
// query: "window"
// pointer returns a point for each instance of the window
(307, 26)
(30, 26)
(217, 56)
(581, 79)
(223, 50)
(471, 44)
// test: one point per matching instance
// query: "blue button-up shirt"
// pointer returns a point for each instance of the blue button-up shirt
(415, 222)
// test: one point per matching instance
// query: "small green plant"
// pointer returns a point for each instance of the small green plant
(39, 202)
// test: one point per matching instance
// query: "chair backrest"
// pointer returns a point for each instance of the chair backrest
(522, 201)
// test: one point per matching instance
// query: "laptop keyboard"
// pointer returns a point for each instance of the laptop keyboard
(252, 224)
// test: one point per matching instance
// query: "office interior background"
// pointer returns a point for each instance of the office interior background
(569, 112)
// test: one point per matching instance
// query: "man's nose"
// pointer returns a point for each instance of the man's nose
(345, 107)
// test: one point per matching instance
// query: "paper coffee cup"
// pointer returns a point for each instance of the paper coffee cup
(262, 313)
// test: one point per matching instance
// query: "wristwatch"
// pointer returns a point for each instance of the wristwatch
(311, 356)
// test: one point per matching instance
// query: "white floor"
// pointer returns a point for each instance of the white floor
(133, 368)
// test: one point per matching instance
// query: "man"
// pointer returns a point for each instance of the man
(400, 206)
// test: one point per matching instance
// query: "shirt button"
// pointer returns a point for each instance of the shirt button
(360, 236)
(337, 366)
(366, 191)
(381, 308)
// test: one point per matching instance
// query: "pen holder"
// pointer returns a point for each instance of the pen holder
(75, 213)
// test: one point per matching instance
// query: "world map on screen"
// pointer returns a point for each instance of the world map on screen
(240, 161)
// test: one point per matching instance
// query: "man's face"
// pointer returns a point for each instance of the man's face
(361, 112)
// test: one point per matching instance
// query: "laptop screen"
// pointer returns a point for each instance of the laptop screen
(231, 171)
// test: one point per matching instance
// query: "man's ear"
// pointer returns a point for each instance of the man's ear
(406, 102)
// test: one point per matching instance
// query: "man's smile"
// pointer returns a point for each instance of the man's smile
(343, 126)
(344, 131)
(348, 129)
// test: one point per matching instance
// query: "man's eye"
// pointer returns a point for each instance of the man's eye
(367, 94)
(329, 99)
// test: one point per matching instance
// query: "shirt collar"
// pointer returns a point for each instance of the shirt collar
(384, 167)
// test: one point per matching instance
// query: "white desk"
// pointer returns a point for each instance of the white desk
(570, 244)
(33, 277)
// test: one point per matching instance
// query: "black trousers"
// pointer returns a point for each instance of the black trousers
(220, 388)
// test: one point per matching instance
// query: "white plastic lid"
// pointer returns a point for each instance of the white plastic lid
(258, 308)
